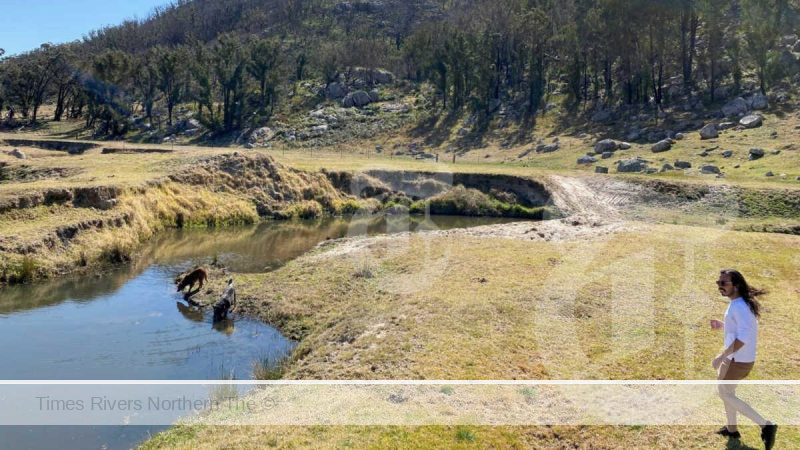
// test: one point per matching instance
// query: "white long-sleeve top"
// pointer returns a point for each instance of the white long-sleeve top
(741, 324)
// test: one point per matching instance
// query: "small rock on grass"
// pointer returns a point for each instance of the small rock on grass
(683, 164)
(756, 153)
(662, 146)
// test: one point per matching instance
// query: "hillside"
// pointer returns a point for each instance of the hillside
(607, 129)
(460, 75)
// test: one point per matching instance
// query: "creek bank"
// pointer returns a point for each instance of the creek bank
(106, 224)
(467, 194)
(73, 148)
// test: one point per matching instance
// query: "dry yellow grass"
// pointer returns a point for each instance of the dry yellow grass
(452, 307)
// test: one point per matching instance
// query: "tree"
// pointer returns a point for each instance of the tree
(230, 61)
(65, 81)
(689, 25)
(203, 85)
(146, 79)
(40, 67)
(106, 92)
(171, 68)
(758, 22)
(715, 18)
(264, 67)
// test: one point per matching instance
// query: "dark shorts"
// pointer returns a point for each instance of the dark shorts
(731, 370)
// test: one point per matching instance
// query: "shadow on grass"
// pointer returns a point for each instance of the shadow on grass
(736, 444)
(435, 129)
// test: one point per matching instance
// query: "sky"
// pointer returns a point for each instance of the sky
(26, 24)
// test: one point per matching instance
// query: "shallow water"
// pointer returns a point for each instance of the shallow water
(131, 324)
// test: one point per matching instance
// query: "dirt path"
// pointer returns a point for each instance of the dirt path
(593, 207)
(591, 197)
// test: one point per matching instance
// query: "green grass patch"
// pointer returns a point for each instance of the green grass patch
(461, 201)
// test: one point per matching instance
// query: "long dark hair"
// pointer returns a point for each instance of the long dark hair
(747, 292)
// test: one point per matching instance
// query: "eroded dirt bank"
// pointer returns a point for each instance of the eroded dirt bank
(52, 231)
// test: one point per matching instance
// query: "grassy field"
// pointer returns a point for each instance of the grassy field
(450, 306)
(778, 134)
(371, 310)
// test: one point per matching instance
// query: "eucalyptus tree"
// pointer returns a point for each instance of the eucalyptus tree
(264, 66)
(230, 58)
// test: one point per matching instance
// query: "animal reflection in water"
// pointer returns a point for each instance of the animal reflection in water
(194, 311)
(195, 314)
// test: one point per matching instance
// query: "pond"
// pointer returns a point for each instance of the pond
(131, 324)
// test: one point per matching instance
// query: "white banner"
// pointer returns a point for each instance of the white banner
(389, 403)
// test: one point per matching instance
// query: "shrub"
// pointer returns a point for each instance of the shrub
(464, 434)
(463, 201)
(307, 209)
(264, 369)
(348, 207)
(25, 271)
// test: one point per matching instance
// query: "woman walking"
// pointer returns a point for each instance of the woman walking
(736, 360)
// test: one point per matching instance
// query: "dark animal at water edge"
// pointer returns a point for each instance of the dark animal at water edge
(197, 275)
(226, 303)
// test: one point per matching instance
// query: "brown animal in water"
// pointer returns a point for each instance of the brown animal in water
(193, 277)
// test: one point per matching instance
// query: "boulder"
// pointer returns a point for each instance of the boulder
(727, 153)
(634, 135)
(382, 76)
(335, 91)
(606, 155)
(547, 148)
(624, 146)
(789, 39)
(606, 145)
(587, 160)
(788, 62)
(681, 136)
(751, 121)
(661, 146)
(756, 153)
(709, 132)
(725, 125)
(631, 165)
(17, 153)
(667, 167)
(395, 108)
(683, 164)
(356, 99)
(769, 174)
(710, 168)
(262, 134)
(600, 169)
(736, 107)
(759, 102)
(602, 116)
(374, 96)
